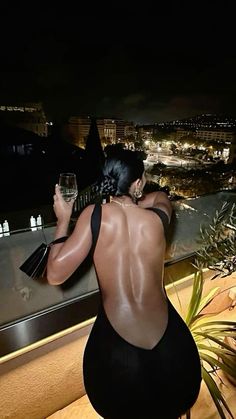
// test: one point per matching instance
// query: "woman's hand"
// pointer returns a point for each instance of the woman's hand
(63, 209)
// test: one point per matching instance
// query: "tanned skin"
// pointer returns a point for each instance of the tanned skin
(129, 261)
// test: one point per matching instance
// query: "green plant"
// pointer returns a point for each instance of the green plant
(217, 243)
(209, 336)
(217, 251)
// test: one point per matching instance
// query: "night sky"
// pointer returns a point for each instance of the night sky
(146, 65)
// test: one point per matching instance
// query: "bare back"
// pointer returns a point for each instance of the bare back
(129, 263)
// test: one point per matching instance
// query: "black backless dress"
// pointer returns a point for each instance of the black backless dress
(124, 381)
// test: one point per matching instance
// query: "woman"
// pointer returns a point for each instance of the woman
(140, 360)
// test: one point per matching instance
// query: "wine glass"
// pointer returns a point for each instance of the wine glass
(68, 186)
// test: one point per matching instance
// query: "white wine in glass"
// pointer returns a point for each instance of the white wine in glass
(68, 186)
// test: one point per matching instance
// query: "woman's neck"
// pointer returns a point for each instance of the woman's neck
(124, 201)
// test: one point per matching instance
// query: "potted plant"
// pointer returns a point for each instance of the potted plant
(214, 338)
(215, 352)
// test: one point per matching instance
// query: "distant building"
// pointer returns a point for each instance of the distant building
(79, 129)
(146, 132)
(221, 135)
(111, 130)
(180, 133)
(29, 116)
(232, 153)
(107, 131)
(130, 130)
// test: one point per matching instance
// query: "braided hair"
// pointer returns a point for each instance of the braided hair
(121, 169)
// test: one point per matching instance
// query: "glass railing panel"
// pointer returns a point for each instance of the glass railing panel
(21, 296)
(189, 215)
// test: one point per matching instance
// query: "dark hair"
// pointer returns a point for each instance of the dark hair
(121, 169)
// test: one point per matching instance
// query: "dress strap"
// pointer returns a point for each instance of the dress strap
(95, 224)
(163, 216)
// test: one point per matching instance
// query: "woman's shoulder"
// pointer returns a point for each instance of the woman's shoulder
(158, 200)
(86, 213)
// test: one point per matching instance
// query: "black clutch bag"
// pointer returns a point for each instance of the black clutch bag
(35, 265)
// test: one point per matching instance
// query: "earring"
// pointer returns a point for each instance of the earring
(138, 193)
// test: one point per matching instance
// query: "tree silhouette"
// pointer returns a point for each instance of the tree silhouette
(94, 156)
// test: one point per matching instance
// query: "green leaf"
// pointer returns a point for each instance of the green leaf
(208, 360)
(208, 298)
(218, 341)
(216, 362)
(222, 322)
(216, 395)
(199, 321)
(220, 325)
(195, 298)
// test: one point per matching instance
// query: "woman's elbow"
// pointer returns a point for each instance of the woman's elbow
(54, 276)
(53, 279)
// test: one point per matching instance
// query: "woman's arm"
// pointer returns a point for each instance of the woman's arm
(157, 199)
(64, 258)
